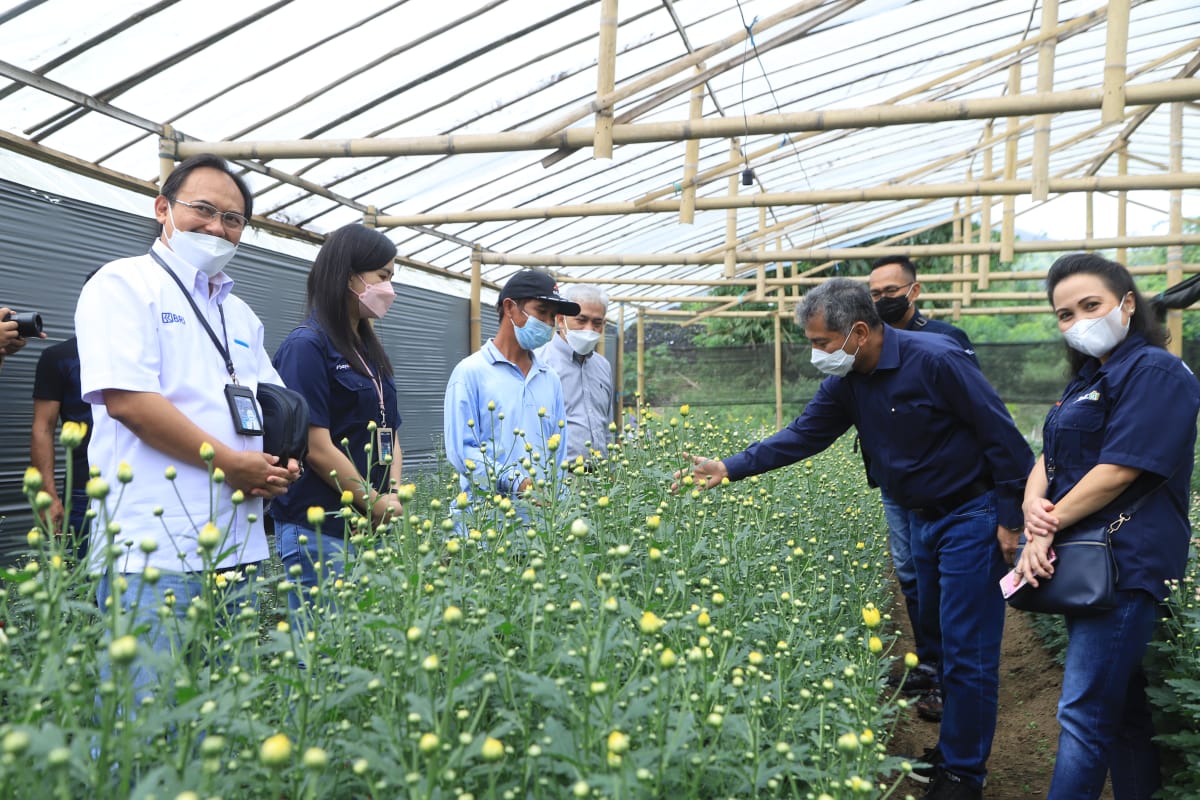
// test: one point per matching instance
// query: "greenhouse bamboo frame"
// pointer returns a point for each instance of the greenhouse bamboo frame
(1157, 93)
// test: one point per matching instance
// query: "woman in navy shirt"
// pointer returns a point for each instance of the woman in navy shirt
(1124, 428)
(337, 362)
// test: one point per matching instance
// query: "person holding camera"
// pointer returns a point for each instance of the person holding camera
(336, 361)
(17, 329)
(171, 360)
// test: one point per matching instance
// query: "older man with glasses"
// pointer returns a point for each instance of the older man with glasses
(946, 449)
(587, 377)
(170, 361)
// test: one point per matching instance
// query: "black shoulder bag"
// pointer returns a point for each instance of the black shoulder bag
(1085, 572)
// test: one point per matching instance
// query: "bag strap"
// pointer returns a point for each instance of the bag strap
(1127, 515)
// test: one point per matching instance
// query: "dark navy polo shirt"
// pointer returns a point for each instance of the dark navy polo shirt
(1138, 409)
(340, 399)
(57, 378)
(930, 420)
(922, 324)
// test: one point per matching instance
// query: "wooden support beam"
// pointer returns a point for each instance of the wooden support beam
(716, 128)
(619, 378)
(1122, 199)
(166, 157)
(778, 325)
(826, 254)
(1175, 224)
(985, 211)
(641, 360)
(1011, 125)
(1045, 84)
(691, 159)
(606, 76)
(882, 192)
(475, 334)
(1116, 44)
(731, 216)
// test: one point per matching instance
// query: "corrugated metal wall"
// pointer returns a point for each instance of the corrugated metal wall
(48, 244)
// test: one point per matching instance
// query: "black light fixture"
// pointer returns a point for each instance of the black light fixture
(747, 177)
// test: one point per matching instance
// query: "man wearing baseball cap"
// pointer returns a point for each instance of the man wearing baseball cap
(504, 420)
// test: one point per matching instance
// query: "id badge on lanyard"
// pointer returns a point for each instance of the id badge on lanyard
(386, 444)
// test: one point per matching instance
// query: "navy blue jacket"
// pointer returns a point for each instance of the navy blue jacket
(930, 420)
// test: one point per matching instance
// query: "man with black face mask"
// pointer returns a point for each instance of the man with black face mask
(894, 289)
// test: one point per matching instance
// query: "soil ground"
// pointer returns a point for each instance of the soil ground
(1027, 732)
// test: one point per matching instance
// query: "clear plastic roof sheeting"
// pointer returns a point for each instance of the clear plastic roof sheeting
(96, 82)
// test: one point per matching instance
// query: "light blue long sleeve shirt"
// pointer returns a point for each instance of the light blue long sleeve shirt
(488, 446)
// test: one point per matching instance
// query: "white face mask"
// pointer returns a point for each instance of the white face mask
(205, 252)
(838, 363)
(1099, 336)
(583, 342)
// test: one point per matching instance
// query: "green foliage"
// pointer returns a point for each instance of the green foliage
(526, 658)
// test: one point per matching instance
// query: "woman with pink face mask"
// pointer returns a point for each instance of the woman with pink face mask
(337, 362)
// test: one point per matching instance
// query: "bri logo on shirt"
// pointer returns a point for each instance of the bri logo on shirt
(1091, 397)
(168, 318)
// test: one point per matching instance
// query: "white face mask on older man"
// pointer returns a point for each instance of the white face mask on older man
(838, 363)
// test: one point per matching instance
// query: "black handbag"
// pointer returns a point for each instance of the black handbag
(285, 422)
(1085, 572)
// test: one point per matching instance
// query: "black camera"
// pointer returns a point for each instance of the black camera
(29, 324)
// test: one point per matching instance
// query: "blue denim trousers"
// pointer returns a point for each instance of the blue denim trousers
(959, 565)
(322, 560)
(928, 643)
(1104, 718)
(164, 636)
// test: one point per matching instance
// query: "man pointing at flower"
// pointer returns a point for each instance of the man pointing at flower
(945, 448)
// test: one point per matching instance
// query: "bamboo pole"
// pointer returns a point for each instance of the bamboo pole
(1011, 124)
(556, 126)
(731, 217)
(475, 334)
(1122, 199)
(1082, 22)
(619, 411)
(827, 254)
(960, 234)
(641, 360)
(691, 158)
(1045, 84)
(1089, 216)
(606, 77)
(778, 367)
(166, 154)
(1175, 251)
(985, 211)
(1182, 90)
(882, 192)
(1115, 50)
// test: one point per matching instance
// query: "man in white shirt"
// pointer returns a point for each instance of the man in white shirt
(587, 377)
(170, 361)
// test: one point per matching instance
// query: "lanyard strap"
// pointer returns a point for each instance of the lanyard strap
(222, 349)
(377, 382)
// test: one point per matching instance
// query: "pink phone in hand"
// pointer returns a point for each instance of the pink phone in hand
(1011, 582)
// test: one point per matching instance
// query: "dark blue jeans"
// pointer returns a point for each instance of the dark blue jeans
(928, 643)
(959, 564)
(322, 560)
(1103, 714)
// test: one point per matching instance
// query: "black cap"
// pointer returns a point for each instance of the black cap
(530, 284)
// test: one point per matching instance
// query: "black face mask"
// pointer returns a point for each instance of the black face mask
(892, 309)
